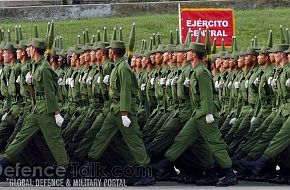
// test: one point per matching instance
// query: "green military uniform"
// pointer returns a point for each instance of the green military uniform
(123, 95)
(45, 86)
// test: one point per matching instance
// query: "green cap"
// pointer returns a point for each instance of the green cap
(242, 52)
(197, 47)
(2, 45)
(170, 48)
(100, 45)
(117, 44)
(38, 43)
(87, 47)
(288, 50)
(279, 48)
(53, 52)
(251, 51)
(264, 50)
(21, 45)
(182, 48)
(160, 49)
(61, 53)
(227, 55)
(220, 54)
(147, 54)
(10, 47)
(234, 55)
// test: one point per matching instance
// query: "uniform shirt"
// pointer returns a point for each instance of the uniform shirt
(45, 85)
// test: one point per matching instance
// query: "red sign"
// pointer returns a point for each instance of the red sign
(220, 22)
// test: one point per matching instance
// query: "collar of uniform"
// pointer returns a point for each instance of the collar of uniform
(39, 61)
(117, 63)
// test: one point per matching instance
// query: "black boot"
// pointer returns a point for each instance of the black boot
(255, 166)
(3, 164)
(160, 167)
(229, 179)
(210, 178)
(146, 180)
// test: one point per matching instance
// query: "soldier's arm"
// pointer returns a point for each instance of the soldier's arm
(49, 90)
(125, 91)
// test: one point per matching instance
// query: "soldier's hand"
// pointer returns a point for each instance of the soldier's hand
(174, 81)
(59, 82)
(257, 81)
(58, 120)
(230, 84)
(233, 121)
(106, 79)
(186, 82)
(72, 82)
(99, 80)
(4, 116)
(209, 118)
(80, 78)
(270, 80)
(274, 83)
(152, 81)
(28, 78)
(89, 81)
(253, 120)
(168, 82)
(246, 83)
(143, 87)
(237, 85)
(18, 79)
(287, 83)
(162, 81)
(126, 121)
(216, 84)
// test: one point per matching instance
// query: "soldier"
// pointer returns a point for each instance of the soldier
(201, 122)
(45, 116)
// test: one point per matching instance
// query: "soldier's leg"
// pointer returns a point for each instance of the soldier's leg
(153, 132)
(72, 130)
(84, 126)
(52, 135)
(280, 141)
(150, 125)
(240, 133)
(164, 138)
(254, 138)
(86, 143)
(266, 137)
(229, 136)
(225, 128)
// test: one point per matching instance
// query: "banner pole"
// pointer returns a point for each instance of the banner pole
(179, 23)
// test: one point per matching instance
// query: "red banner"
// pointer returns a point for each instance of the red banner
(220, 22)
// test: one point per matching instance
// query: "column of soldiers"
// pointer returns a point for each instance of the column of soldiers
(164, 111)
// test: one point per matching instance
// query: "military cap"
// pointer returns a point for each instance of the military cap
(160, 49)
(251, 51)
(2, 45)
(117, 44)
(100, 45)
(213, 57)
(61, 53)
(234, 55)
(53, 52)
(264, 50)
(227, 55)
(279, 48)
(87, 47)
(10, 47)
(220, 54)
(242, 52)
(136, 53)
(288, 50)
(69, 51)
(21, 45)
(182, 48)
(147, 54)
(37, 43)
(170, 48)
(197, 47)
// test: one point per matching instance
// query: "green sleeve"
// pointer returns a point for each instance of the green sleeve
(125, 91)
(206, 92)
(50, 90)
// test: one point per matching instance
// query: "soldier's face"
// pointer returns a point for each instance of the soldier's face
(93, 56)
(152, 57)
(180, 57)
(20, 53)
(232, 63)
(226, 63)
(262, 58)
(1, 55)
(7, 56)
(144, 62)
(278, 57)
(189, 56)
(111, 53)
(99, 54)
(28, 51)
(138, 62)
(87, 56)
(272, 57)
(241, 61)
(82, 59)
(166, 57)
(133, 62)
(31, 51)
(218, 62)
(249, 60)
(288, 57)
(158, 58)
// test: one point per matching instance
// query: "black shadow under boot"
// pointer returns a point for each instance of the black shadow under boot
(229, 179)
